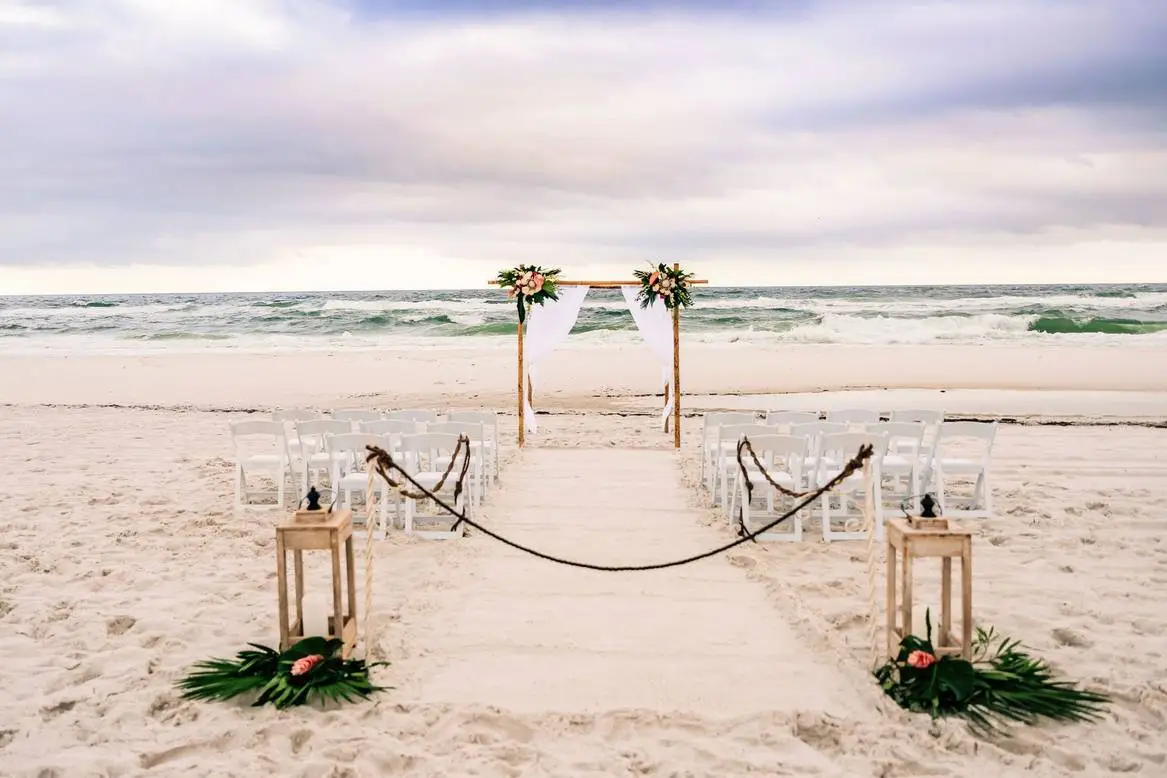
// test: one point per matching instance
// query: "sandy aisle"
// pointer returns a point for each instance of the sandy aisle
(529, 636)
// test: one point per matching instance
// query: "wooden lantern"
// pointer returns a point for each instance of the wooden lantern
(318, 530)
(918, 538)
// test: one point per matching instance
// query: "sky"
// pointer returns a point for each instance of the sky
(271, 145)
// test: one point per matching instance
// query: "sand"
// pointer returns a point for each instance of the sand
(124, 562)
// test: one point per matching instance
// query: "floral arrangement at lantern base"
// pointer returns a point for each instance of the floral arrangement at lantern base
(999, 686)
(311, 670)
(667, 284)
(530, 285)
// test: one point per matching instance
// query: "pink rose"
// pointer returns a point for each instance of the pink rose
(537, 284)
(921, 660)
(301, 666)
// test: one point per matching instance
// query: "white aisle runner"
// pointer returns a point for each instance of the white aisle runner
(525, 635)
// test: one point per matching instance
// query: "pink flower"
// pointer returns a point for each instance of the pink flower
(537, 283)
(301, 666)
(921, 660)
(652, 279)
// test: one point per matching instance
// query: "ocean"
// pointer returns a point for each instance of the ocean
(484, 318)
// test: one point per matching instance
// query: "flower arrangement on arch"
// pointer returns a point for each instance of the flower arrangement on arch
(530, 285)
(1000, 685)
(312, 669)
(664, 283)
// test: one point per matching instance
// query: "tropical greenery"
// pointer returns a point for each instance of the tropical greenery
(311, 670)
(1000, 686)
(529, 285)
(665, 283)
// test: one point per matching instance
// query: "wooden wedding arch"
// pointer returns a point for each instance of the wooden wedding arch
(676, 357)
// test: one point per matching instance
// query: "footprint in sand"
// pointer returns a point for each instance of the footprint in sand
(119, 625)
(300, 739)
(1068, 637)
(52, 711)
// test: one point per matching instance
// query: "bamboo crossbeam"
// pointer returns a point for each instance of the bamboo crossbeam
(598, 284)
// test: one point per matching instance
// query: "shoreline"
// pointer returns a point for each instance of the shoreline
(578, 379)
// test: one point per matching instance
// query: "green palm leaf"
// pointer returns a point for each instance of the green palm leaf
(1002, 685)
(222, 679)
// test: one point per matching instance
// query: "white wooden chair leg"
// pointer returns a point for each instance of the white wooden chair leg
(826, 517)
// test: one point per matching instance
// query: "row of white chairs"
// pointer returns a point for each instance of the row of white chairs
(367, 419)
(422, 440)
(916, 452)
(426, 456)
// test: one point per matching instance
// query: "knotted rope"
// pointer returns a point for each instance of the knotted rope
(745, 445)
(384, 462)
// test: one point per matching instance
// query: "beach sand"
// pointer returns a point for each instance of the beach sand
(124, 562)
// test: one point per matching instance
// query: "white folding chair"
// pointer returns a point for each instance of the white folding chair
(356, 415)
(784, 419)
(428, 455)
(289, 417)
(429, 417)
(853, 416)
(900, 462)
(851, 492)
(726, 469)
(391, 427)
(782, 456)
(489, 422)
(932, 420)
(964, 449)
(260, 446)
(476, 432)
(316, 433)
(813, 431)
(709, 450)
(349, 476)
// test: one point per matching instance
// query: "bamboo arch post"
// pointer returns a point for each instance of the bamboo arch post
(522, 413)
(676, 372)
(522, 386)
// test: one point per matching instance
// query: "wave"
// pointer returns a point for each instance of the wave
(156, 336)
(1060, 325)
(470, 319)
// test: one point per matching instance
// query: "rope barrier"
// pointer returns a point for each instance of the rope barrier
(383, 462)
(872, 566)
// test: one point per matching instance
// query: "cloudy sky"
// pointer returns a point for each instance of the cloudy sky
(191, 145)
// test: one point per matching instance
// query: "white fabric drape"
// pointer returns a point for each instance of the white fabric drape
(548, 325)
(656, 327)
